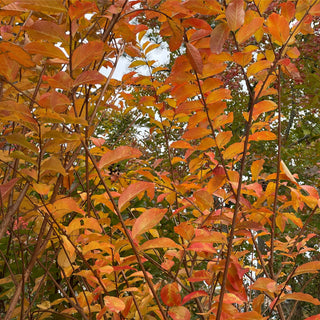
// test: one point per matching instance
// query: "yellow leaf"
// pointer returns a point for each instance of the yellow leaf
(233, 150)
(256, 168)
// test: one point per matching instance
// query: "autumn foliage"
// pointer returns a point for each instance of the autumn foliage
(196, 214)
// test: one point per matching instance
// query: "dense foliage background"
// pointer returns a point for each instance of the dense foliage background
(185, 190)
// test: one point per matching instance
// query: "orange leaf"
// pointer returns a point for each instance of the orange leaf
(53, 164)
(288, 10)
(223, 138)
(193, 295)
(185, 230)
(51, 7)
(251, 315)
(265, 284)
(203, 199)
(202, 247)
(233, 150)
(235, 14)
(45, 49)
(293, 53)
(132, 191)
(60, 80)
(147, 220)
(189, 106)
(315, 317)
(207, 7)
(296, 296)
(179, 313)
(249, 29)
(8, 68)
(83, 223)
(87, 53)
(257, 67)
(170, 295)
(194, 58)
(181, 145)
(16, 53)
(42, 188)
(256, 168)
(309, 267)
(262, 135)
(21, 140)
(218, 95)
(118, 154)
(159, 243)
(196, 133)
(242, 58)
(79, 9)
(218, 37)
(67, 205)
(114, 304)
(46, 30)
(262, 5)
(263, 106)
(279, 28)
(203, 235)
(315, 10)
(176, 38)
(89, 77)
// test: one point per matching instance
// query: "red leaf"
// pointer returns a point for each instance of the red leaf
(89, 77)
(7, 187)
(147, 220)
(170, 294)
(218, 37)
(194, 57)
(235, 14)
(193, 295)
(315, 317)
